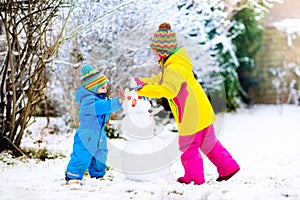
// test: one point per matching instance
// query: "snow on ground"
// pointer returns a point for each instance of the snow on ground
(264, 140)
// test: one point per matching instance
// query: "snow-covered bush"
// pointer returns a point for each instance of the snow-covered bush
(284, 80)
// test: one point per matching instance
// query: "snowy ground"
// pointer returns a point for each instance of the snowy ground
(264, 140)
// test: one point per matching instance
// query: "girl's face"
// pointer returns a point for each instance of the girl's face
(102, 89)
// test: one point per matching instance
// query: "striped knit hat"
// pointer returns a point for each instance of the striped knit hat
(92, 79)
(163, 40)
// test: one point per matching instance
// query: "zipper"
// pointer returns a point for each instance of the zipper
(102, 127)
(99, 141)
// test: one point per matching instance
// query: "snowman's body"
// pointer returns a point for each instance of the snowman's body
(143, 148)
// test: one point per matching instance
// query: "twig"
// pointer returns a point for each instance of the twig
(15, 147)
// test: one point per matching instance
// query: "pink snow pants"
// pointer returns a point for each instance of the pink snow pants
(208, 143)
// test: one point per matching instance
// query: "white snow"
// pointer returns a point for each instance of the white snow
(291, 27)
(264, 140)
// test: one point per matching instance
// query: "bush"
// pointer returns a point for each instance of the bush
(41, 154)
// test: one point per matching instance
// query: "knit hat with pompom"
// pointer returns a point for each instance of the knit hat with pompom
(163, 40)
(91, 79)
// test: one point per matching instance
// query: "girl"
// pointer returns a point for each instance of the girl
(190, 106)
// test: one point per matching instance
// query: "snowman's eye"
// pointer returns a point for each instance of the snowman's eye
(129, 97)
(139, 97)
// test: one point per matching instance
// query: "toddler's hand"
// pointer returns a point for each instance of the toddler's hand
(121, 95)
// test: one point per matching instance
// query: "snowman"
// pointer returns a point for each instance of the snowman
(137, 123)
(143, 153)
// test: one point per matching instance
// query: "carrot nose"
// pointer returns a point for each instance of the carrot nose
(133, 103)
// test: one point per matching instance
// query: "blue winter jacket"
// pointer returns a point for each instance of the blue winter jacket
(95, 110)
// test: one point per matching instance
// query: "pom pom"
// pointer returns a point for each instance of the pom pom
(164, 26)
(86, 69)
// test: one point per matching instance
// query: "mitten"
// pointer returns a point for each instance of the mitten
(139, 82)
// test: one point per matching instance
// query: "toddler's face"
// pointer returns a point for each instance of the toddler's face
(102, 89)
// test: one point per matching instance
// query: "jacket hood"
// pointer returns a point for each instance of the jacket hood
(182, 58)
(82, 93)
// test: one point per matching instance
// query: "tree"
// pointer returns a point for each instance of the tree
(233, 7)
(247, 44)
(25, 64)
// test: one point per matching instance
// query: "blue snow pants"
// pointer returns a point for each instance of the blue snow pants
(89, 152)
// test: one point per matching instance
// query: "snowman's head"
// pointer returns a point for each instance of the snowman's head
(134, 103)
(137, 116)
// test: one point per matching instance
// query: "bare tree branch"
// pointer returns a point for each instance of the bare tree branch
(24, 74)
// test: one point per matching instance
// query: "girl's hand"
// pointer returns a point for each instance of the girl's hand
(139, 82)
(121, 95)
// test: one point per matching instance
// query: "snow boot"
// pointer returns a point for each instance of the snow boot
(101, 178)
(74, 184)
(225, 178)
(184, 180)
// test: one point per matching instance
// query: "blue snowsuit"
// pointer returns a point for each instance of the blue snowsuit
(90, 140)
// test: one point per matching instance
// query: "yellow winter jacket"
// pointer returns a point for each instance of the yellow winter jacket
(187, 99)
